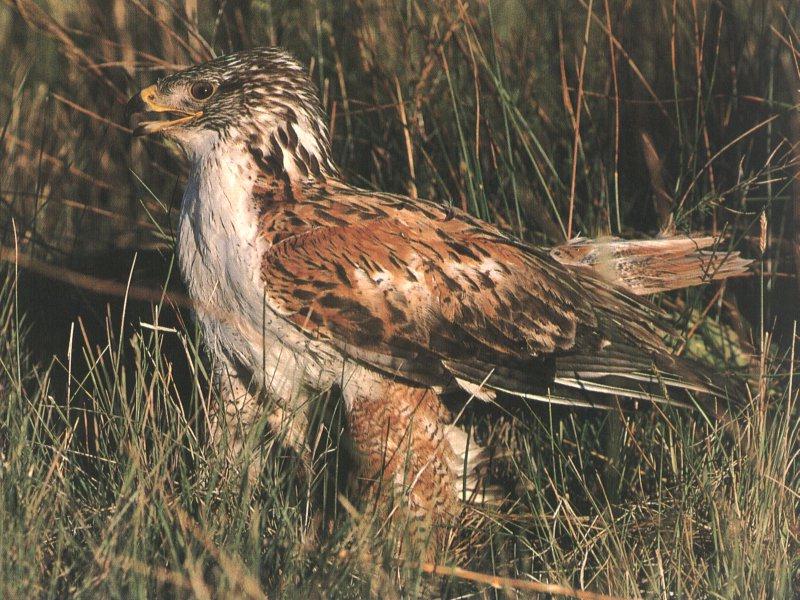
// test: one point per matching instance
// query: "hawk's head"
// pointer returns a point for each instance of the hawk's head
(261, 98)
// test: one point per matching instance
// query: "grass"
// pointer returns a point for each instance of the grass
(548, 117)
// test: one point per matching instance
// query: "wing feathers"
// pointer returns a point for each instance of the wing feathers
(436, 297)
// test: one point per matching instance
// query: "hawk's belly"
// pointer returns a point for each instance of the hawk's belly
(219, 253)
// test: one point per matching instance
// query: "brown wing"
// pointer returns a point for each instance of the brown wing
(387, 283)
(426, 294)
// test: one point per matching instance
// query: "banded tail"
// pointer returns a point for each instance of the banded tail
(645, 267)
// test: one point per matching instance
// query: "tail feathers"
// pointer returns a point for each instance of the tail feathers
(649, 266)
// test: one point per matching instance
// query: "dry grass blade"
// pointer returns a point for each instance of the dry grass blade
(509, 583)
(39, 19)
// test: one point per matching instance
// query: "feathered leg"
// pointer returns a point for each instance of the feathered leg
(237, 422)
(414, 465)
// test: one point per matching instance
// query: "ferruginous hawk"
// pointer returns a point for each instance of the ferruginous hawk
(303, 282)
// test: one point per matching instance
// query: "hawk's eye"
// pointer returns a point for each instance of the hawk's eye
(201, 90)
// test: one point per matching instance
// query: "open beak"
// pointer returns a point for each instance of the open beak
(144, 103)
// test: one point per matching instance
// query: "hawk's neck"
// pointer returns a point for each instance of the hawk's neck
(270, 171)
(295, 148)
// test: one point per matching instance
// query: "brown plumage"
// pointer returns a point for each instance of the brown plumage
(390, 298)
(650, 266)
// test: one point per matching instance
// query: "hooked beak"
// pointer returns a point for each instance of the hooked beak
(144, 103)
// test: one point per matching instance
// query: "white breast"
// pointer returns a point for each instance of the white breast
(219, 252)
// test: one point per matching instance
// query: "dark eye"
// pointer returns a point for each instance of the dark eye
(201, 90)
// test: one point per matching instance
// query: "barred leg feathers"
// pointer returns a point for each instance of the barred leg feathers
(406, 447)
(469, 463)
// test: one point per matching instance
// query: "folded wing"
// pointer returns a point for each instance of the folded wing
(442, 300)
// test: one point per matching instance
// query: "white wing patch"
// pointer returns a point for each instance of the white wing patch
(476, 390)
